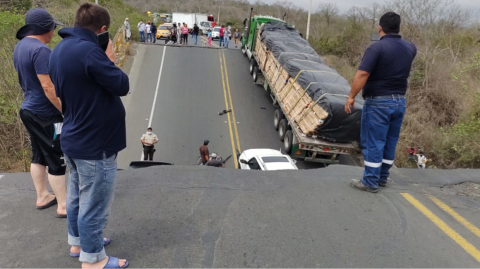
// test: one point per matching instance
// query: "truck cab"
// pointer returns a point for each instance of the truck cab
(252, 26)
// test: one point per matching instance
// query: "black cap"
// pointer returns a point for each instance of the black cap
(37, 22)
(206, 142)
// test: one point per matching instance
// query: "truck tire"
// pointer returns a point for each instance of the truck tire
(282, 128)
(277, 116)
(255, 74)
(253, 63)
(287, 141)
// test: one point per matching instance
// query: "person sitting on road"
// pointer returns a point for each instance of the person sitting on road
(204, 153)
(214, 161)
(149, 140)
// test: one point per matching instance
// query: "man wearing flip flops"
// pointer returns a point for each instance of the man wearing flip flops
(40, 112)
(89, 85)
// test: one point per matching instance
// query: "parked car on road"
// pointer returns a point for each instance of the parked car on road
(216, 33)
(163, 30)
(265, 159)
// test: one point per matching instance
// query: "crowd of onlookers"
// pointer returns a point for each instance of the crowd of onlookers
(178, 34)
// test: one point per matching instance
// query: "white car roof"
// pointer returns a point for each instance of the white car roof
(263, 152)
(279, 166)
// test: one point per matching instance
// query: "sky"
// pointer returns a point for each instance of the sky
(344, 5)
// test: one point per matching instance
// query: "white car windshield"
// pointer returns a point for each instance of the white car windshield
(275, 159)
(216, 29)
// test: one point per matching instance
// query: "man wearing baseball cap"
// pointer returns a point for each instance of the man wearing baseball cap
(40, 112)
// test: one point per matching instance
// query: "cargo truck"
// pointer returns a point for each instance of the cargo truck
(203, 21)
(297, 144)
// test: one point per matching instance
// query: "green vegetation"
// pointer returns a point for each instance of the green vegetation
(14, 141)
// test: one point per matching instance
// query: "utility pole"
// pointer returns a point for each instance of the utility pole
(96, 2)
(308, 20)
(218, 18)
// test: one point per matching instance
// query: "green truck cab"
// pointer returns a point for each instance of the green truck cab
(252, 26)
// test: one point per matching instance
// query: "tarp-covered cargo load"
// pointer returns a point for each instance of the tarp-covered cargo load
(325, 87)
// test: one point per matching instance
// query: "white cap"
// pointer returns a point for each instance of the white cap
(214, 155)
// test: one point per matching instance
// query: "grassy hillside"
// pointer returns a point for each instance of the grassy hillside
(14, 145)
(443, 114)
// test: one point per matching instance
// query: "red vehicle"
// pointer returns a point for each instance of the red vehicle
(212, 20)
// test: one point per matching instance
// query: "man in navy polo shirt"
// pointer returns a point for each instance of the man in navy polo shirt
(383, 75)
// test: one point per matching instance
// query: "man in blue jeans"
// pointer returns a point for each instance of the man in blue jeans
(383, 75)
(89, 84)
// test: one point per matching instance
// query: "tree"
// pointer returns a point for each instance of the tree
(327, 11)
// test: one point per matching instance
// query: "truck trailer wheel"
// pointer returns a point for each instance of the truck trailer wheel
(282, 128)
(277, 116)
(287, 141)
(255, 74)
(253, 63)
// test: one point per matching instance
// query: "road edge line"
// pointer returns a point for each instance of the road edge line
(462, 242)
(156, 94)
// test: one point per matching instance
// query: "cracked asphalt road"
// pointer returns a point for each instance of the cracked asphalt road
(189, 216)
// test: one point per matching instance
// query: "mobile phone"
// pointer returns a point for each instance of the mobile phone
(103, 39)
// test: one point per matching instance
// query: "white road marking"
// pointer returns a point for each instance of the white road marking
(156, 94)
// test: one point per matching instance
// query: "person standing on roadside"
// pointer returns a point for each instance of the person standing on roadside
(383, 75)
(204, 153)
(153, 29)
(220, 36)
(185, 33)
(89, 85)
(226, 37)
(128, 31)
(195, 32)
(149, 140)
(236, 37)
(179, 33)
(40, 112)
(141, 30)
(209, 37)
(421, 160)
(149, 32)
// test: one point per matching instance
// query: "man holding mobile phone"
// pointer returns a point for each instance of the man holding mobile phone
(89, 85)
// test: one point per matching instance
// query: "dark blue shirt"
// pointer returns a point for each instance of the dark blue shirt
(388, 62)
(90, 86)
(30, 58)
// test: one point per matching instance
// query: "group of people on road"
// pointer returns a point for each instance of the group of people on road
(225, 35)
(147, 32)
(75, 118)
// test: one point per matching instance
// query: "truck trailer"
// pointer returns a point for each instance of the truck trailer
(267, 71)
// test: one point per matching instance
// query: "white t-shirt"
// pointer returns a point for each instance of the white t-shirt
(141, 27)
(421, 159)
(147, 28)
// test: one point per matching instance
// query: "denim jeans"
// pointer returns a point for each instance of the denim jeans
(225, 41)
(380, 130)
(90, 194)
(154, 38)
(142, 36)
(195, 38)
(149, 37)
(220, 40)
